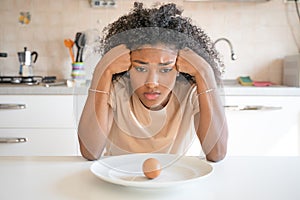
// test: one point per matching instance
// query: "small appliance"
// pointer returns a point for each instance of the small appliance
(26, 59)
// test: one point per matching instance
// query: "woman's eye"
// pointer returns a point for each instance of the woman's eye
(166, 70)
(141, 69)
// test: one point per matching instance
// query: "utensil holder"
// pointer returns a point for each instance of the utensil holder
(78, 73)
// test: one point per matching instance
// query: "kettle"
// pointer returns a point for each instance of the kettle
(26, 58)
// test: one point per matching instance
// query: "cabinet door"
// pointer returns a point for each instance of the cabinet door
(263, 125)
(37, 111)
(38, 142)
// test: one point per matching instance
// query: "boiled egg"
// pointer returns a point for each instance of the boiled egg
(151, 168)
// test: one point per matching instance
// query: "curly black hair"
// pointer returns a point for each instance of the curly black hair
(164, 25)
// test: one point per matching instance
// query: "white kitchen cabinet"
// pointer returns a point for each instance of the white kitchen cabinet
(38, 125)
(36, 111)
(263, 125)
(258, 125)
(39, 142)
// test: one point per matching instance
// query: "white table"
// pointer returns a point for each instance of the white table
(241, 178)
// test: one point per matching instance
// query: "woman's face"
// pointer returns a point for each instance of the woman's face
(153, 74)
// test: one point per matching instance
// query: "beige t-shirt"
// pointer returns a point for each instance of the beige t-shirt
(136, 129)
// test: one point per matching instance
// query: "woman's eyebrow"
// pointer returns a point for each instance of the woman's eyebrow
(166, 63)
(161, 64)
(140, 62)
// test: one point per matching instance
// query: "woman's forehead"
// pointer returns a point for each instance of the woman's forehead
(159, 46)
(153, 55)
(154, 50)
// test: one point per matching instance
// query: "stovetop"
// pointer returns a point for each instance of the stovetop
(29, 80)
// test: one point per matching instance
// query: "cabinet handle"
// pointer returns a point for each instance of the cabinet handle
(245, 108)
(13, 140)
(8, 106)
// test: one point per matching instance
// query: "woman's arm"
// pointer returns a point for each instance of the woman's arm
(96, 118)
(211, 125)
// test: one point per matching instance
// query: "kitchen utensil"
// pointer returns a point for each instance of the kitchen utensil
(28, 56)
(60, 83)
(78, 34)
(26, 59)
(69, 44)
(49, 79)
(21, 56)
(81, 43)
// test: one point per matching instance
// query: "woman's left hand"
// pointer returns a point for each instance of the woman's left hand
(191, 63)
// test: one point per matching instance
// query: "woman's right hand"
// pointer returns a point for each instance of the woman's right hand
(118, 59)
(115, 61)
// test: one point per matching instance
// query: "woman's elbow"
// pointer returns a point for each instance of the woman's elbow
(87, 154)
(216, 156)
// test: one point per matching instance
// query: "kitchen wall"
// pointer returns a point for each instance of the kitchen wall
(261, 33)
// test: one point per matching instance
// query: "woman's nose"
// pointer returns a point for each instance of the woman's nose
(152, 80)
(151, 84)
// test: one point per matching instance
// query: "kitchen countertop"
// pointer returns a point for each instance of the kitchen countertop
(230, 88)
(11, 89)
(234, 178)
(238, 90)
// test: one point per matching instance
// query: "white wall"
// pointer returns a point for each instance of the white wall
(261, 33)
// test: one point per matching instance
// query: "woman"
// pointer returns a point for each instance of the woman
(155, 88)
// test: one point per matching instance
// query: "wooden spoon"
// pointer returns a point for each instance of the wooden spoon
(69, 44)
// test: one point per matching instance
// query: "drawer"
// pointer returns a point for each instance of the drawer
(263, 125)
(37, 111)
(39, 142)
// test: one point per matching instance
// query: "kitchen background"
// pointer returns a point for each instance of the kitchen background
(262, 33)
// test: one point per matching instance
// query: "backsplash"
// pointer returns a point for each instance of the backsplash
(261, 33)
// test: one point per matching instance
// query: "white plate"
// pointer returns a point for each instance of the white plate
(126, 170)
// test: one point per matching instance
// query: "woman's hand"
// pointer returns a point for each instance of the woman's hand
(191, 63)
(115, 61)
(118, 59)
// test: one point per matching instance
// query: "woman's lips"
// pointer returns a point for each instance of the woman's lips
(151, 95)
